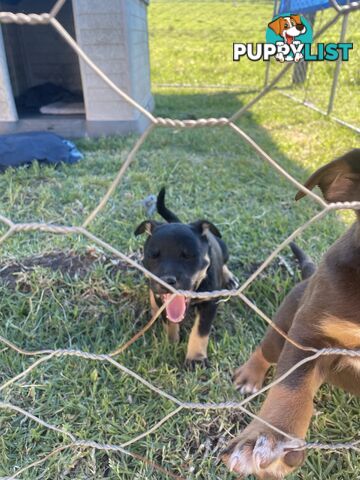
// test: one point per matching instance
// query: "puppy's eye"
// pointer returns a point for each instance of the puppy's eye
(286, 25)
(154, 254)
(185, 255)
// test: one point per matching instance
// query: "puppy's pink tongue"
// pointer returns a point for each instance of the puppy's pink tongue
(175, 311)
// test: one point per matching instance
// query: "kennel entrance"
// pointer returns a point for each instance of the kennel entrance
(39, 67)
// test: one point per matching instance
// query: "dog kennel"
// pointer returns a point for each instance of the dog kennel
(45, 86)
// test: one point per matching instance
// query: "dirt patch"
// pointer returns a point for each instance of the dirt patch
(66, 262)
(79, 265)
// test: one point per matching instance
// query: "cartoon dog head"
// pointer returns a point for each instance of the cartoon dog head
(288, 27)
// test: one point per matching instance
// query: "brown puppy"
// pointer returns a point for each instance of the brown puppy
(322, 311)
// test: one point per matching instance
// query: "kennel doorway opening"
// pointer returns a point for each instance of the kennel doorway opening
(42, 68)
(113, 35)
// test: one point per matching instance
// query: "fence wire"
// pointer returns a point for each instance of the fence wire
(327, 88)
(47, 355)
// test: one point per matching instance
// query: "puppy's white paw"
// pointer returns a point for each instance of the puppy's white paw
(244, 384)
(249, 378)
(263, 454)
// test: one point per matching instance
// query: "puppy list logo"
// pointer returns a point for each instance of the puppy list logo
(289, 38)
(289, 34)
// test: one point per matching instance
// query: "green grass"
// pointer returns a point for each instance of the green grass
(194, 47)
(209, 173)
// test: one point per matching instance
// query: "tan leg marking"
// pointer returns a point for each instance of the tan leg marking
(197, 345)
(291, 409)
(172, 331)
(154, 305)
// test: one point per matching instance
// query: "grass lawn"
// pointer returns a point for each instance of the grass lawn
(97, 304)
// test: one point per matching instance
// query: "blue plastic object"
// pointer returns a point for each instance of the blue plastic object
(305, 6)
(23, 148)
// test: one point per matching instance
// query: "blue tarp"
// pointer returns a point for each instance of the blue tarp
(305, 6)
(23, 148)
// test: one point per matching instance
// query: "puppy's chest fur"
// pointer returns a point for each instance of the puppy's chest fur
(354, 363)
(355, 345)
(346, 334)
(212, 276)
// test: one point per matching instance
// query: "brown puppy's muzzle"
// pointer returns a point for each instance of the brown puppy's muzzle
(300, 27)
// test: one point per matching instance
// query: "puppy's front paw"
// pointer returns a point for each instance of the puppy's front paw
(263, 453)
(190, 364)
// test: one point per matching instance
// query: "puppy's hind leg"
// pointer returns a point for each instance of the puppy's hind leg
(154, 305)
(249, 377)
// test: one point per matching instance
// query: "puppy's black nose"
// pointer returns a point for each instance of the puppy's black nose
(169, 279)
(300, 27)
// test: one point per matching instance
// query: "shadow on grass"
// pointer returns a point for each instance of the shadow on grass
(209, 173)
(194, 106)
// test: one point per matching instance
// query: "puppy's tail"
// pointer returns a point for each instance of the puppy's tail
(307, 266)
(167, 214)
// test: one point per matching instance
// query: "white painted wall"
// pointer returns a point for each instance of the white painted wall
(115, 38)
(7, 106)
(138, 44)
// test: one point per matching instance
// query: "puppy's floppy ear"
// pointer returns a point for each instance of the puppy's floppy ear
(147, 226)
(297, 19)
(203, 226)
(275, 25)
(339, 180)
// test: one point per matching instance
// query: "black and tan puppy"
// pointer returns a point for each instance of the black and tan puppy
(187, 257)
(322, 311)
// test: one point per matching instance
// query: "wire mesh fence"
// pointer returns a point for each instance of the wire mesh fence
(46, 355)
(327, 86)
